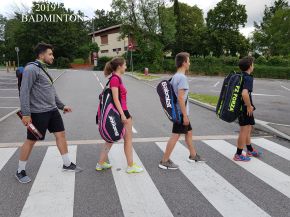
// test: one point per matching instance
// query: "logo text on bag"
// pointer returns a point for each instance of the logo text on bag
(166, 91)
(113, 122)
(234, 98)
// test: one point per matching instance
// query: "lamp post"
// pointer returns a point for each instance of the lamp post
(17, 51)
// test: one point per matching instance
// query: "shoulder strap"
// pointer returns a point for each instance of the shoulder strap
(40, 66)
(113, 75)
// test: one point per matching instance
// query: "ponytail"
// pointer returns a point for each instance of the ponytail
(112, 65)
(108, 69)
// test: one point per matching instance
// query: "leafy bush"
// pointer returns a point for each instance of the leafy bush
(261, 60)
(78, 61)
(62, 62)
(278, 61)
(231, 61)
(101, 63)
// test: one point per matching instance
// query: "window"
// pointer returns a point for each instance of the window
(104, 51)
(117, 49)
(104, 39)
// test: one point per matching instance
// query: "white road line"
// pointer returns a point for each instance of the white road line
(98, 80)
(52, 193)
(135, 140)
(9, 79)
(218, 191)
(5, 155)
(263, 171)
(134, 130)
(7, 97)
(7, 83)
(59, 76)
(285, 88)
(8, 107)
(8, 115)
(102, 85)
(137, 192)
(260, 94)
(216, 84)
(8, 89)
(273, 147)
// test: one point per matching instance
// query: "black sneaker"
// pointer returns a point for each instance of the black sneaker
(197, 158)
(72, 168)
(22, 177)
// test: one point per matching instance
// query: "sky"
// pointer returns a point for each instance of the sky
(255, 8)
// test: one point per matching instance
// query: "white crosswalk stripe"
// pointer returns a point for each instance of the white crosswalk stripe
(52, 192)
(265, 172)
(138, 194)
(273, 147)
(5, 155)
(221, 194)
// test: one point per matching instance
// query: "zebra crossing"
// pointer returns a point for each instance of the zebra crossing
(220, 187)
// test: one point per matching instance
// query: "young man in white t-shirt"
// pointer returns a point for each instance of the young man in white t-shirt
(181, 88)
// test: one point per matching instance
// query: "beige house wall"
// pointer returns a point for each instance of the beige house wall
(114, 42)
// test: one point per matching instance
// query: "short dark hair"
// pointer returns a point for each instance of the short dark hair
(180, 58)
(246, 62)
(41, 48)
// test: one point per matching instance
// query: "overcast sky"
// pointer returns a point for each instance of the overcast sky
(254, 8)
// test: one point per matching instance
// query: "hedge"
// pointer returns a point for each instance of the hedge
(273, 67)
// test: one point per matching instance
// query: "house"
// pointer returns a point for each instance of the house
(110, 42)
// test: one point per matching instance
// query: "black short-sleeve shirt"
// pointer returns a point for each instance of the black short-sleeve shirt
(248, 84)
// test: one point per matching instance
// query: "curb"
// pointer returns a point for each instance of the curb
(140, 79)
(260, 125)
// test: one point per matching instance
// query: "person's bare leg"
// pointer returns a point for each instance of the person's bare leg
(170, 146)
(248, 141)
(26, 149)
(128, 146)
(61, 142)
(104, 153)
(243, 135)
(189, 143)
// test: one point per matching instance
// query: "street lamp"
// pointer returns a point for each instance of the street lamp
(17, 51)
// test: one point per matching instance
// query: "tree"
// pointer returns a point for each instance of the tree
(269, 35)
(66, 37)
(190, 28)
(147, 23)
(104, 19)
(223, 24)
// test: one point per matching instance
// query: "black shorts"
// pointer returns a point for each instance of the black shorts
(245, 120)
(127, 114)
(180, 128)
(51, 121)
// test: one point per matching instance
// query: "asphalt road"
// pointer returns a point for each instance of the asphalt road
(221, 187)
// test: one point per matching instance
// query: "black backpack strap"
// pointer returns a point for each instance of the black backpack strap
(113, 75)
(38, 64)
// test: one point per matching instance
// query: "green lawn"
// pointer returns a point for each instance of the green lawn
(209, 99)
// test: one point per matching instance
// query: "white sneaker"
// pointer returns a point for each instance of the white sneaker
(134, 169)
(103, 166)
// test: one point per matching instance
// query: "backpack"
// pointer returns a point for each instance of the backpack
(230, 101)
(108, 118)
(20, 71)
(168, 101)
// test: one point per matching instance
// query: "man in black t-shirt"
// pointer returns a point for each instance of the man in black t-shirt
(246, 117)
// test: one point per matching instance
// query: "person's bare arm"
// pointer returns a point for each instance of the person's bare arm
(181, 102)
(247, 101)
(115, 92)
